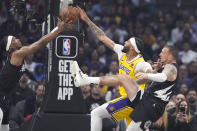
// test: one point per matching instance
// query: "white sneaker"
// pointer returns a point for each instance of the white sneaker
(80, 79)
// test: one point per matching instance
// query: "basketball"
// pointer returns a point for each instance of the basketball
(70, 13)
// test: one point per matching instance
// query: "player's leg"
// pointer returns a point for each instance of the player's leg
(143, 113)
(116, 109)
(81, 79)
(126, 81)
(133, 126)
(130, 87)
(97, 116)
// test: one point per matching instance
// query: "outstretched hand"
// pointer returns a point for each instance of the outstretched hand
(62, 26)
(83, 14)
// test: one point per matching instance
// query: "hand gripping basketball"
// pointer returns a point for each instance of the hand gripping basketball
(70, 13)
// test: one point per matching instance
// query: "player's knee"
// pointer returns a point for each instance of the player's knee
(99, 112)
(94, 113)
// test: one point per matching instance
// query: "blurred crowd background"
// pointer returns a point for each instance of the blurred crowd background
(156, 24)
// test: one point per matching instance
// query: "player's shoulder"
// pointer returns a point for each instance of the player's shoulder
(170, 68)
(19, 52)
(143, 63)
(171, 65)
(118, 49)
(118, 46)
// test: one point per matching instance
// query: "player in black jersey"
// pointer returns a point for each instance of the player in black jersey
(151, 105)
(148, 107)
(12, 70)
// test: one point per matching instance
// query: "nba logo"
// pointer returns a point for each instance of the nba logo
(66, 46)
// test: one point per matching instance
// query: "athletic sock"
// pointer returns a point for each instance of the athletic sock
(93, 80)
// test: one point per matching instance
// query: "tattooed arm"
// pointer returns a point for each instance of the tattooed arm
(170, 71)
(96, 30)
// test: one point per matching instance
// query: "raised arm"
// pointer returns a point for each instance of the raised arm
(96, 30)
(19, 55)
(27, 50)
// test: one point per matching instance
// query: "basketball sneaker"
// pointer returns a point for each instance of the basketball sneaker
(80, 79)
